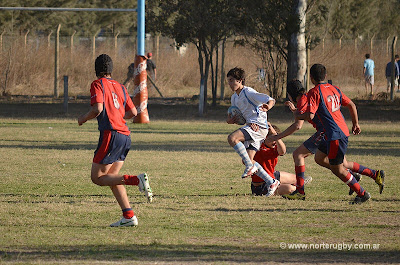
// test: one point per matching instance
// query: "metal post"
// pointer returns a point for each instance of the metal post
(65, 94)
(141, 27)
(56, 61)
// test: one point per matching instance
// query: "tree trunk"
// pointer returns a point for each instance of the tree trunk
(297, 53)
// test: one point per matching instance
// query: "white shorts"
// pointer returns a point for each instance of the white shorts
(256, 137)
(369, 79)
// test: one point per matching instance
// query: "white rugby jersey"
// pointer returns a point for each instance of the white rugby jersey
(249, 101)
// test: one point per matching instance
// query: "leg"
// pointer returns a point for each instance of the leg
(285, 189)
(299, 156)
(236, 140)
(287, 178)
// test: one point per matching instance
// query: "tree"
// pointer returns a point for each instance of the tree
(202, 23)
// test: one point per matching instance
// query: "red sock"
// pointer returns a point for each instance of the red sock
(353, 184)
(131, 180)
(300, 178)
(128, 213)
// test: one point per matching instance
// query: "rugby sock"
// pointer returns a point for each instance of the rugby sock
(364, 170)
(128, 213)
(241, 150)
(353, 184)
(300, 178)
(131, 180)
(263, 174)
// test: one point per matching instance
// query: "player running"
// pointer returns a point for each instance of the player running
(111, 105)
(324, 102)
(254, 106)
(296, 94)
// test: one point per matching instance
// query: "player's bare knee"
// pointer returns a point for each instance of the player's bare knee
(96, 180)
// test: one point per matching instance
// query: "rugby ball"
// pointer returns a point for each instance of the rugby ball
(234, 111)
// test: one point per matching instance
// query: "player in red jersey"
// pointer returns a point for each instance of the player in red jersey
(297, 95)
(111, 105)
(324, 102)
(267, 157)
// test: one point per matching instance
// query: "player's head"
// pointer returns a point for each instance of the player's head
(318, 72)
(149, 55)
(396, 57)
(237, 73)
(295, 89)
(103, 65)
(367, 56)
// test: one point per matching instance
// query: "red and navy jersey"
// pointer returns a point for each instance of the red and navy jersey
(116, 102)
(324, 101)
(267, 158)
(302, 107)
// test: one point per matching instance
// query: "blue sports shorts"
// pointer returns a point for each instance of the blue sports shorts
(335, 149)
(314, 141)
(112, 147)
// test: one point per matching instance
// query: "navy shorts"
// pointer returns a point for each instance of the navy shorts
(315, 141)
(335, 149)
(112, 147)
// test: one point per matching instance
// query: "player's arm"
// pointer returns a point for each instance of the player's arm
(130, 113)
(296, 125)
(280, 145)
(354, 117)
(305, 116)
(267, 106)
(94, 111)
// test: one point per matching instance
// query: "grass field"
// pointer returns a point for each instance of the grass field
(203, 212)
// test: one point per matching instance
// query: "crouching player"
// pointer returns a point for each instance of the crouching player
(111, 105)
(254, 107)
(267, 157)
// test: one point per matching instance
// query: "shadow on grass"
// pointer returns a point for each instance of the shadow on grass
(180, 109)
(197, 253)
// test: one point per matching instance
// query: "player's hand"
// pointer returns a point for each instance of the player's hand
(291, 106)
(81, 120)
(231, 119)
(356, 129)
(271, 138)
(254, 127)
(264, 107)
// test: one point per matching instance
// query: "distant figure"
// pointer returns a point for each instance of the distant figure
(368, 71)
(151, 67)
(388, 73)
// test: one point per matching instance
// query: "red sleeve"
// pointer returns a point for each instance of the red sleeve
(302, 104)
(96, 93)
(345, 100)
(313, 100)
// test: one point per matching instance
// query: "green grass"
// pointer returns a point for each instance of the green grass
(203, 212)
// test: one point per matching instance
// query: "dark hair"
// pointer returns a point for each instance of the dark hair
(237, 73)
(295, 88)
(367, 56)
(318, 72)
(103, 65)
(396, 56)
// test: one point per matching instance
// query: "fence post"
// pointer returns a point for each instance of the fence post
(1, 41)
(372, 42)
(72, 42)
(65, 94)
(94, 44)
(56, 61)
(116, 44)
(26, 38)
(355, 44)
(48, 38)
(387, 45)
